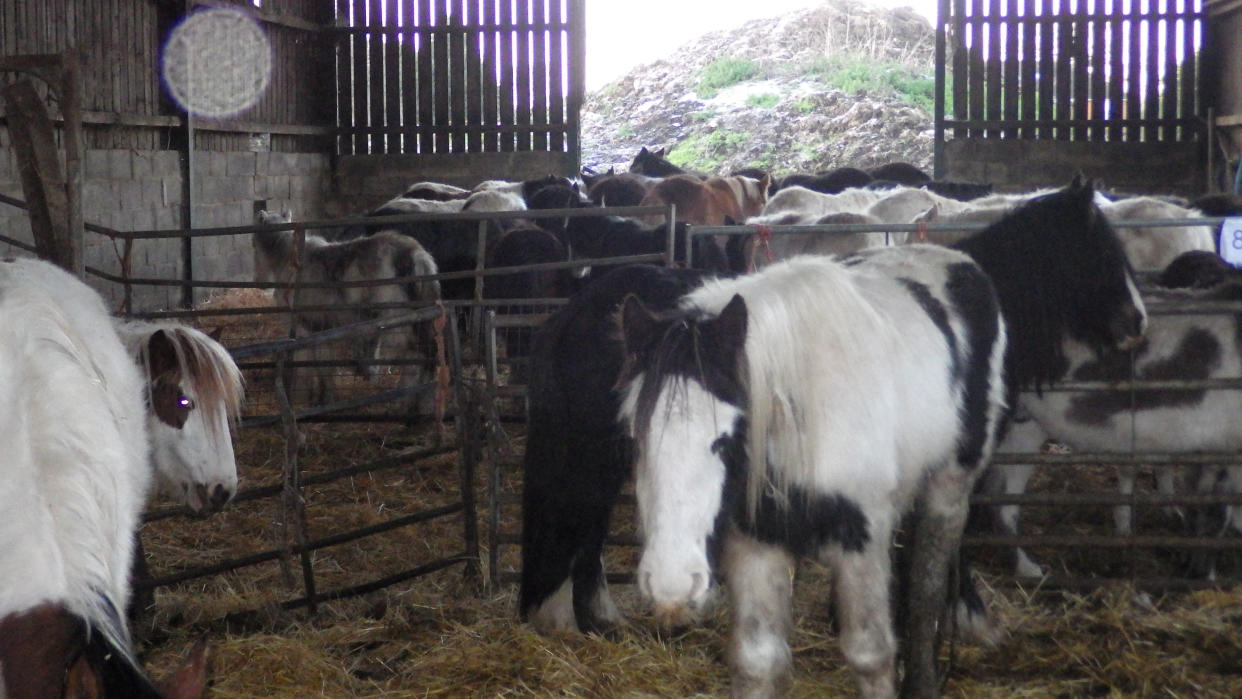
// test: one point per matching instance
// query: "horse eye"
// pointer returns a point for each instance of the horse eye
(186, 403)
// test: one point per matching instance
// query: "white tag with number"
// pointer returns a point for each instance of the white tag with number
(1231, 241)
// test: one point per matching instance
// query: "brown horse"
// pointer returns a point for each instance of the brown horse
(709, 202)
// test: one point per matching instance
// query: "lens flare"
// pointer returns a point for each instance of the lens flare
(217, 63)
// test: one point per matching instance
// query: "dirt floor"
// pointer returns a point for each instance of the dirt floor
(450, 634)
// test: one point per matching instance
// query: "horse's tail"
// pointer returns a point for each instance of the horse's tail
(547, 540)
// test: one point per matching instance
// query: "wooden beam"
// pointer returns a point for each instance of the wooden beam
(43, 183)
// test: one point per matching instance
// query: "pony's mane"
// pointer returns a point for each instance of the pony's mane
(1049, 260)
(790, 327)
(201, 360)
(79, 435)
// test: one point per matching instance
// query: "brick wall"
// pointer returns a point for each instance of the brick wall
(132, 190)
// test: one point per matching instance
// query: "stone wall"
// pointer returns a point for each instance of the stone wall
(132, 190)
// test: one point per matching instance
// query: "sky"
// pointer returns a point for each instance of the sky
(623, 34)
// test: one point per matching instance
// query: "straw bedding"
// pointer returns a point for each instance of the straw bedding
(447, 635)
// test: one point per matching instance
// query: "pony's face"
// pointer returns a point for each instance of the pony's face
(188, 420)
(682, 404)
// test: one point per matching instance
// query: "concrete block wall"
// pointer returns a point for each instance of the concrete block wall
(132, 190)
(1016, 165)
(362, 182)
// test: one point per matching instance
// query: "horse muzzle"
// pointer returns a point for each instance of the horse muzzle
(204, 499)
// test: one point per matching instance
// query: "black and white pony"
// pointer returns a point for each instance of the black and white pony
(383, 255)
(75, 475)
(1177, 346)
(802, 411)
(1040, 294)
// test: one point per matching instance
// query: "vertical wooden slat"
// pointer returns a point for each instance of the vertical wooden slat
(456, 75)
(1151, 65)
(975, 78)
(344, 108)
(392, 78)
(1170, 104)
(409, 79)
(362, 142)
(961, 64)
(440, 66)
(556, 80)
(1099, 68)
(375, 76)
(426, 79)
(1134, 57)
(508, 138)
(522, 70)
(1190, 68)
(1047, 68)
(475, 88)
(1081, 67)
(995, 48)
(1030, 59)
(491, 86)
(1064, 73)
(539, 75)
(1116, 70)
(577, 76)
(1011, 50)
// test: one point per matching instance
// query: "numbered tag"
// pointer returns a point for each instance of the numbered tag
(1231, 241)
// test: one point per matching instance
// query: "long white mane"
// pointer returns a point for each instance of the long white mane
(805, 316)
(75, 470)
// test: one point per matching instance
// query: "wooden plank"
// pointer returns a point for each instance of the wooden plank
(358, 118)
(1027, 87)
(992, 62)
(456, 73)
(508, 13)
(1098, 56)
(1047, 70)
(1151, 81)
(961, 65)
(1190, 67)
(539, 76)
(375, 76)
(474, 78)
(1080, 71)
(426, 79)
(38, 164)
(1011, 50)
(1116, 71)
(975, 78)
(409, 77)
(343, 46)
(576, 27)
(1171, 104)
(490, 90)
(522, 72)
(556, 80)
(1134, 93)
(392, 78)
(441, 67)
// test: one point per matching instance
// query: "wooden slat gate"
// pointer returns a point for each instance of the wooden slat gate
(1104, 85)
(458, 76)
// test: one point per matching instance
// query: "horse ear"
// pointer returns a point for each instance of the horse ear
(643, 150)
(660, 153)
(161, 354)
(190, 680)
(217, 333)
(728, 330)
(728, 221)
(612, 170)
(639, 326)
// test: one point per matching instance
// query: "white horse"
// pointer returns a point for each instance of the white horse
(76, 472)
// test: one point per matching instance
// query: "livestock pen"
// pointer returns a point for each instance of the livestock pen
(347, 567)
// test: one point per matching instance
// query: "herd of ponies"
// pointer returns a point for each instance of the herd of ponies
(772, 398)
